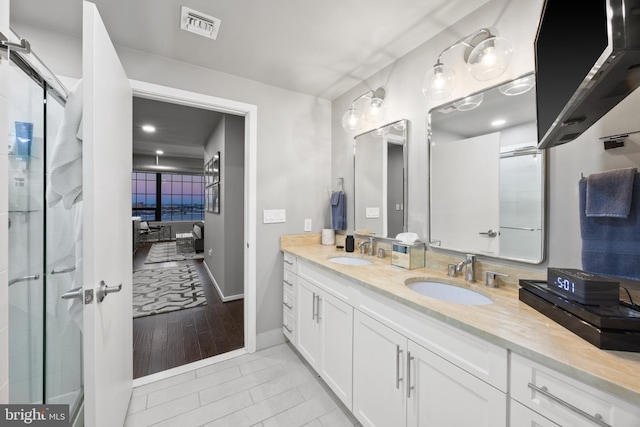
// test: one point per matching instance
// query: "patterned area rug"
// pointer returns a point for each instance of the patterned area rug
(168, 251)
(166, 289)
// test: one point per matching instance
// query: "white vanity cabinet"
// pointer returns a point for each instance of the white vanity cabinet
(398, 382)
(324, 330)
(567, 401)
(379, 396)
(521, 416)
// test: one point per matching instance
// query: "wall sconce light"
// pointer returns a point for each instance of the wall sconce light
(486, 55)
(373, 110)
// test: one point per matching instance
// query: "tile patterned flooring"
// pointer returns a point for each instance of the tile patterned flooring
(270, 388)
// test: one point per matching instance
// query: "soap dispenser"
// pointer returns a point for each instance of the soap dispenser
(349, 243)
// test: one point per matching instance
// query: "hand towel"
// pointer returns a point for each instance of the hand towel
(65, 182)
(611, 245)
(338, 211)
(609, 193)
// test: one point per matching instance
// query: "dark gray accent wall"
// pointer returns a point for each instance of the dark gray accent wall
(224, 232)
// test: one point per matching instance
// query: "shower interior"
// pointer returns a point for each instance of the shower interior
(45, 331)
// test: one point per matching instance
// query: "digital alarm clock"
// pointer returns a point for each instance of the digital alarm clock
(583, 287)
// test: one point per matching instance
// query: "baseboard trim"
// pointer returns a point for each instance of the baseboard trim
(215, 285)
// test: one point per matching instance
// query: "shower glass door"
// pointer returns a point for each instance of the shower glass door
(26, 238)
(45, 331)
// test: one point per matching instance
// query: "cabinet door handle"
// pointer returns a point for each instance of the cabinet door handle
(313, 308)
(398, 379)
(596, 419)
(409, 386)
(290, 307)
(288, 262)
(287, 328)
(318, 309)
(288, 283)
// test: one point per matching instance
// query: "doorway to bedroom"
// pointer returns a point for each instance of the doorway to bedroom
(188, 211)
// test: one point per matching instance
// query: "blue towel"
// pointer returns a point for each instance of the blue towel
(609, 193)
(611, 246)
(338, 211)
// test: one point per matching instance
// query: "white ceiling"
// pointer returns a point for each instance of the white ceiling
(321, 48)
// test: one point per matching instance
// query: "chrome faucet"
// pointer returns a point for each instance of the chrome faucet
(469, 264)
(368, 244)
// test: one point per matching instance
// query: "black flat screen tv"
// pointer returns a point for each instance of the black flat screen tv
(587, 59)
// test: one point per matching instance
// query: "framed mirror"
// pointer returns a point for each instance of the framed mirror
(380, 180)
(487, 178)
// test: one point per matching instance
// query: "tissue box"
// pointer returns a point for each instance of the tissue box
(407, 255)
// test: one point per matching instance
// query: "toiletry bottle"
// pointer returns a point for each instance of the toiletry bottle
(349, 244)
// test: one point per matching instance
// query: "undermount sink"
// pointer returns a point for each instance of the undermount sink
(349, 260)
(447, 292)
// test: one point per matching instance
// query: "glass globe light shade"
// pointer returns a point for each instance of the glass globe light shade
(469, 103)
(374, 111)
(438, 82)
(518, 86)
(490, 58)
(352, 120)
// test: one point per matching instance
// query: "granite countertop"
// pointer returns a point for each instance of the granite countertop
(507, 322)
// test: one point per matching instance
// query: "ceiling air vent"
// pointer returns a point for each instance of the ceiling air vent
(199, 23)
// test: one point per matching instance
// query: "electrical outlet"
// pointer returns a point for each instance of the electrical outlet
(307, 224)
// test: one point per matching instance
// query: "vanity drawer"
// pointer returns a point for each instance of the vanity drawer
(288, 301)
(565, 400)
(289, 280)
(289, 325)
(290, 262)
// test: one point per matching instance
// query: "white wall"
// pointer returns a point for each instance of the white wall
(515, 20)
(293, 161)
(4, 215)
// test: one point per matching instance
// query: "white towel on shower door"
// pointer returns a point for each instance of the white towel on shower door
(65, 167)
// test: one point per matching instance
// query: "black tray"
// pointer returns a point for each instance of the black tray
(601, 338)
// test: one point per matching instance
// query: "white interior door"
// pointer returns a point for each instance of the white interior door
(107, 241)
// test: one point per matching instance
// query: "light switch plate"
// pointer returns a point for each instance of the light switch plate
(372, 213)
(307, 224)
(273, 216)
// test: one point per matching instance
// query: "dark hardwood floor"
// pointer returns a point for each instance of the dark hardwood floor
(172, 339)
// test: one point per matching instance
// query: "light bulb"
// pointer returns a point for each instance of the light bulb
(352, 120)
(490, 58)
(438, 82)
(374, 113)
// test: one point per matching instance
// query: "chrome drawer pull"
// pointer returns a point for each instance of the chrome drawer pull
(290, 307)
(288, 262)
(288, 330)
(290, 284)
(597, 418)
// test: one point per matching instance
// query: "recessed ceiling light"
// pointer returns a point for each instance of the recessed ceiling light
(159, 152)
(148, 128)
(498, 122)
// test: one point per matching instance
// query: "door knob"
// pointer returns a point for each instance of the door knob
(73, 293)
(490, 233)
(104, 290)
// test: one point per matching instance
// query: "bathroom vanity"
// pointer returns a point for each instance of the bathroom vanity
(396, 357)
